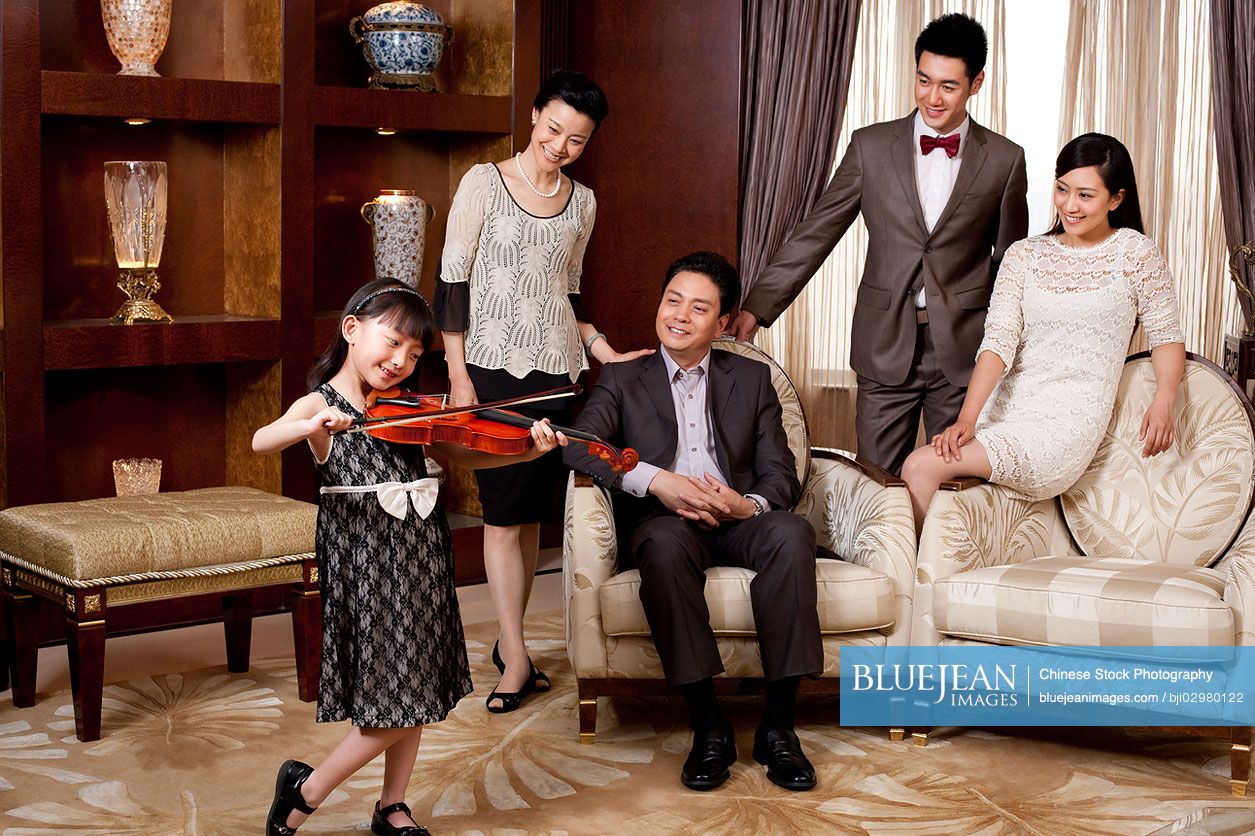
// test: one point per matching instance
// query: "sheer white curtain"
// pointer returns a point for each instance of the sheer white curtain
(811, 339)
(1140, 70)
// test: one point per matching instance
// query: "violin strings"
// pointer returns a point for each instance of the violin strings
(414, 419)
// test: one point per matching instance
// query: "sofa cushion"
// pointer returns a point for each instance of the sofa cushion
(851, 598)
(1083, 601)
(161, 532)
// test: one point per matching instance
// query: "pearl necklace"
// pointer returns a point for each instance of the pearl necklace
(532, 185)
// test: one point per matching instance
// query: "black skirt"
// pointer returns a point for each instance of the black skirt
(530, 492)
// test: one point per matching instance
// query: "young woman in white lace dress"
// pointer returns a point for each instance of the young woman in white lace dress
(507, 303)
(1063, 310)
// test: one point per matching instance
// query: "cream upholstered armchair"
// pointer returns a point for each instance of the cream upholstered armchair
(859, 512)
(1138, 552)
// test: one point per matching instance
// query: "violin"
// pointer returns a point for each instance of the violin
(404, 417)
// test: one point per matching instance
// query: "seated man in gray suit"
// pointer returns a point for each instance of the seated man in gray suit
(715, 485)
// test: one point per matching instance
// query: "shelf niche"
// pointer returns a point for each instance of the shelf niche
(228, 40)
(479, 61)
(174, 414)
(221, 249)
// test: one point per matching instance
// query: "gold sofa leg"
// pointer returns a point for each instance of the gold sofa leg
(1240, 759)
(897, 735)
(588, 710)
(919, 736)
(588, 720)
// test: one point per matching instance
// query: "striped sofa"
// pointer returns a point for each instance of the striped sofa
(1139, 552)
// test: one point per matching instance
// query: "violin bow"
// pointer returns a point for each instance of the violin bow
(363, 424)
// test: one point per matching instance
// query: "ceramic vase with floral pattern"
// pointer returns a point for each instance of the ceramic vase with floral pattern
(137, 32)
(399, 220)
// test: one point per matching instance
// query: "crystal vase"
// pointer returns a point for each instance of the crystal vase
(135, 195)
(137, 32)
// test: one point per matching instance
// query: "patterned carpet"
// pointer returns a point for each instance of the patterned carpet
(195, 754)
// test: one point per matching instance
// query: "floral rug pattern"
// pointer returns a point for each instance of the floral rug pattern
(195, 754)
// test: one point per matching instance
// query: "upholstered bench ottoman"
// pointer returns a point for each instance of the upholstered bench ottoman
(96, 556)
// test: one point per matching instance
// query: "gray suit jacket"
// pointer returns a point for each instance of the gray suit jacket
(956, 262)
(631, 406)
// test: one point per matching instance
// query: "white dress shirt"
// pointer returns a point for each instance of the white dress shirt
(935, 174)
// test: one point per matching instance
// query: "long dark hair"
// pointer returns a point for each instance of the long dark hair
(1115, 167)
(388, 299)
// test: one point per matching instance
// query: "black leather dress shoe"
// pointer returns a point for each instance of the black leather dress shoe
(781, 752)
(713, 752)
(380, 825)
(288, 797)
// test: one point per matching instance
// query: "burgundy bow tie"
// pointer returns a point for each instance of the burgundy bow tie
(950, 143)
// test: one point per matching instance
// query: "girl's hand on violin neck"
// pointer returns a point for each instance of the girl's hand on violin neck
(462, 392)
(328, 421)
(545, 439)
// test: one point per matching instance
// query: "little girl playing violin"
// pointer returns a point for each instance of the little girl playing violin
(393, 655)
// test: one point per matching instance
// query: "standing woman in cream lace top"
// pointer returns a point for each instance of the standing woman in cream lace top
(1059, 323)
(508, 304)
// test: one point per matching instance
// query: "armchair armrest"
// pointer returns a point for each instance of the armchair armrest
(972, 524)
(590, 558)
(863, 514)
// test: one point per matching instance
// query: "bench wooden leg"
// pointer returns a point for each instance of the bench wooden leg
(21, 612)
(6, 651)
(237, 623)
(86, 644)
(307, 637)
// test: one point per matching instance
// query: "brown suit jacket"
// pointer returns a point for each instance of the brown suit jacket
(956, 262)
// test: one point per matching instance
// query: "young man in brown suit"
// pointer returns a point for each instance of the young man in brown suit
(943, 198)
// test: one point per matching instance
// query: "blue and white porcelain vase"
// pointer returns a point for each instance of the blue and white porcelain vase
(403, 42)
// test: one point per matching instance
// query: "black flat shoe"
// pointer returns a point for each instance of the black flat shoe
(288, 797)
(510, 701)
(781, 752)
(713, 752)
(539, 677)
(380, 825)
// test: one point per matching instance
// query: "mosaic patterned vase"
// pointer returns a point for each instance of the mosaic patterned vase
(403, 42)
(399, 220)
(137, 32)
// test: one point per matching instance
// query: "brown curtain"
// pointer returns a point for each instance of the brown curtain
(1233, 103)
(797, 56)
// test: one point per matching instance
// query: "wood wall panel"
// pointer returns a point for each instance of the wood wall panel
(665, 164)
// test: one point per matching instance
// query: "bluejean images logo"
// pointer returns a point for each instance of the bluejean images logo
(952, 684)
(1047, 686)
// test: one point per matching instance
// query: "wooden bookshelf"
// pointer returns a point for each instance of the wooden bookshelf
(262, 116)
(127, 97)
(405, 110)
(103, 344)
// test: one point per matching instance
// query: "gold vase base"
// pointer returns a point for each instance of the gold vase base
(139, 285)
(142, 310)
(402, 81)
